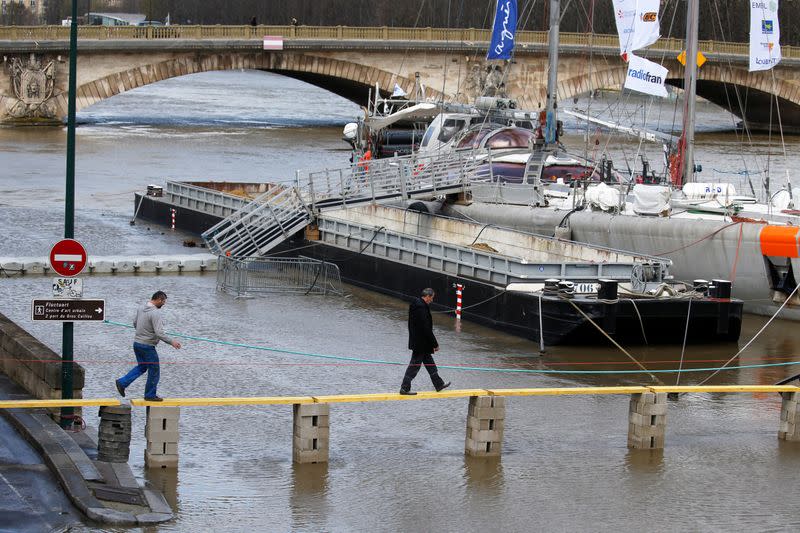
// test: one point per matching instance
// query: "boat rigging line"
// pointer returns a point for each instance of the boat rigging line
(601, 330)
(788, 298)
(457, 367)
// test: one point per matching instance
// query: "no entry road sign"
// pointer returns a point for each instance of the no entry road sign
(68, 257)
(68, 310)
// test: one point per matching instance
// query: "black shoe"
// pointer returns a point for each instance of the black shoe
(154, 399)
(439, 389)
(407, 393)
(120, 388)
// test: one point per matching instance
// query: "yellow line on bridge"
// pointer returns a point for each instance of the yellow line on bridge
(726, 388)
(382, 397)
(256, 400)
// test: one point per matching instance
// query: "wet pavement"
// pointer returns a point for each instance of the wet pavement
(31, 500)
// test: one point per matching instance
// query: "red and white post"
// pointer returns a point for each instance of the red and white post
(459, 291)
(173, 218)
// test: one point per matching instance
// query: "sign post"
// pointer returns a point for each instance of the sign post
(68, 258)
(67, 413)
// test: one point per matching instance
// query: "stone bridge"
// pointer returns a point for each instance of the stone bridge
(450, 64)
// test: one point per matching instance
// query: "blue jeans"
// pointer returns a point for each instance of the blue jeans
(147, 357)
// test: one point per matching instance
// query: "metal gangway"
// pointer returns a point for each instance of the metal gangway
(274, 216)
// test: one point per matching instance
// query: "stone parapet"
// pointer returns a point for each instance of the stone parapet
(34, 366)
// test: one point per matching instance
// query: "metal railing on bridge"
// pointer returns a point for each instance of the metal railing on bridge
(277, 214)
(347, 33)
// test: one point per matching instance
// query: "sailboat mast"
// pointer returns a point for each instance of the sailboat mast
(690, 86)
(552, 74)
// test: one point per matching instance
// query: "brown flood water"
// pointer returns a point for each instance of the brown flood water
(395, 466)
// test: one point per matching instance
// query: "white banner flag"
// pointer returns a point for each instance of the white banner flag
(765, 34)
(645, 76)
(637, 23)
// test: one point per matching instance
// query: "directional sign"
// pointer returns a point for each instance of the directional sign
(701, 59)
(68, 310)
(68, 257)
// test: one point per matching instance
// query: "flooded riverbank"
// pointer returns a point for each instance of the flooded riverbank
(395, 465)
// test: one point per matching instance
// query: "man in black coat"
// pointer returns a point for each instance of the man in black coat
(422, 343)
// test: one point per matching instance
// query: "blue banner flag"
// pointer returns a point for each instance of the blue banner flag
(505, 27)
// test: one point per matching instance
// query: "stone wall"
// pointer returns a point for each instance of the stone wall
(32, 365)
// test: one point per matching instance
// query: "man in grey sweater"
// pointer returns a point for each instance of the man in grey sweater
(149, 330)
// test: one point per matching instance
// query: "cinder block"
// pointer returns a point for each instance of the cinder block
(312, 443)
(163, 412)
(480, 401)
(310, 456)
(482, 449)
(159, 435)
(790, 408)
(498, 401)
(487, 412)
(481, 423)
(646, 431)
(311, 409)
(484, 435)
(160, 461)
(161, 424)
(314, 432)
(162, 448)
(647, 420)
(312, 421)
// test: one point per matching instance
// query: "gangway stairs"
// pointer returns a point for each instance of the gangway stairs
(274, 216)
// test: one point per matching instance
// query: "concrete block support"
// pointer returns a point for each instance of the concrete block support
(790, 417)
(311, 434)
(485, 423)
(647, 420)
(161, 432)
(114, 434)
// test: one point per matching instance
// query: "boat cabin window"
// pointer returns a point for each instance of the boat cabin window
(509, 138)
(450, 127)
(473, 138)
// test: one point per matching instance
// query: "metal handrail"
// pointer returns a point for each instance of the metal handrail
(347, 33)
(275, 215)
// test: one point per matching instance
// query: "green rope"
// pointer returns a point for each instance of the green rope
(450, 367)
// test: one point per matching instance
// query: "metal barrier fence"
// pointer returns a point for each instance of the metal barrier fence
(250, 276)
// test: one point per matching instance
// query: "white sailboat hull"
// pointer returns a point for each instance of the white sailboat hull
(699, 248)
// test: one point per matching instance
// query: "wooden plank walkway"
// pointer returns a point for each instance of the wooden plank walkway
(383, 397)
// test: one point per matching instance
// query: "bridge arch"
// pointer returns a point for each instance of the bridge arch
(742, 93)
(347, 79)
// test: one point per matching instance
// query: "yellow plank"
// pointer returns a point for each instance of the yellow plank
(383, 397)
(726, 388)
(78, 402)
(255, 400)
(562, 391)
